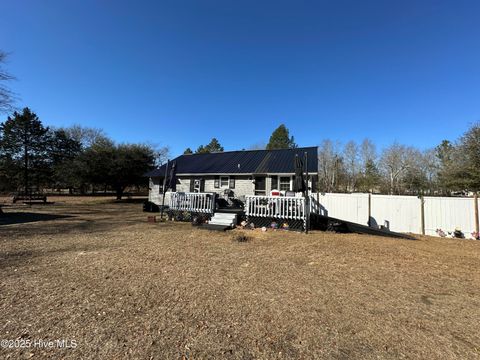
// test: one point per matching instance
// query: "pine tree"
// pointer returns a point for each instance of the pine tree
(188, 151)
(24, 145)
(201, 150)
(63, 153)
(467, 159)
(371, 177)
(212, 147)
(281, 139)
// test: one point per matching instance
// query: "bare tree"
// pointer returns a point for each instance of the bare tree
(431, 166)
(161, 155)
(368, 152)
(352, 165)
(416, 177)
(85, 135)
(329, 162)
(6, 96)
(395, 161)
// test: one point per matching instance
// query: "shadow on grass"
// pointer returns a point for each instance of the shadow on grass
(130, 200)
(23, 257)
(26, 217)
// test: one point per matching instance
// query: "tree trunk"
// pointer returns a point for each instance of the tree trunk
(25, 165)
(391, 184)
(119, 192)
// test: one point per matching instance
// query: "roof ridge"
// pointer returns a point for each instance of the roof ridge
(250, 150)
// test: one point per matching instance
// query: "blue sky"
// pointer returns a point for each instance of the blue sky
(178, 73)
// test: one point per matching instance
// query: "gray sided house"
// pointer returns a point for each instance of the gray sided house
(235, 173)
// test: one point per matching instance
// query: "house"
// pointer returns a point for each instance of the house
(236, 174)
(219, 190)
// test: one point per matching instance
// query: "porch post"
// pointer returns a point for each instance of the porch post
(164, 191)
(307, 199)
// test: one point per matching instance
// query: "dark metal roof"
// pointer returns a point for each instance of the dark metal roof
(242, 162)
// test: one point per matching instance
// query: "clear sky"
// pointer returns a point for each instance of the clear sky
(179, 72)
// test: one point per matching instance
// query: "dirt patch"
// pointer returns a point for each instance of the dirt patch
(125, 288)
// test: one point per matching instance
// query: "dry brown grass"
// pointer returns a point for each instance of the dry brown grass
(125, 288)
(58, 199)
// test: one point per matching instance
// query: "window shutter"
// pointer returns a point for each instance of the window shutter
(231, 184)
(216, 183)
(192, 183)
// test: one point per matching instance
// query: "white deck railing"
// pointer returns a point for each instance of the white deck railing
(276, 207)
(196, 202)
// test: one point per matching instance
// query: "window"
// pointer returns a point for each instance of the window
(224, 181)
(284, 183)
(260, 185)
(274, 185)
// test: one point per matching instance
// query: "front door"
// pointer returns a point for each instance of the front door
(197, 185)
(260, 185)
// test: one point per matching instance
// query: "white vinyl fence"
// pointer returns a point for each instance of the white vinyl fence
(397, 213)
(349, 207)
(401, 213)
(449, 213)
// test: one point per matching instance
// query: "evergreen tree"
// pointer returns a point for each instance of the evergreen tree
(467, 159)
(201, 150)
(371, 177)
(281, 139)
(445, 153)
(95, 163)
(24, 146)
(107, 165)
(63, 154)
(459, 164)
(212, 147)
(130, 162)
(188, 151)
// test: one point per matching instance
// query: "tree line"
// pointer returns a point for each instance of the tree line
(280, 139)
(83, 160)
(452, 167)
(447, 169)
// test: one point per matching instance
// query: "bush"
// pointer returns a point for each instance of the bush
(241, 238)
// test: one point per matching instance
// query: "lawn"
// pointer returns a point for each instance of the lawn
(98, 273)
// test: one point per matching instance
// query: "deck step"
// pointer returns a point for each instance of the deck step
(214, 227)
(222, 222)
(224, 219)
(229, 216)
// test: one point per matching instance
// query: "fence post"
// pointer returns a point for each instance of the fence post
(477, 227)
(422, 213)
(369, 209)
